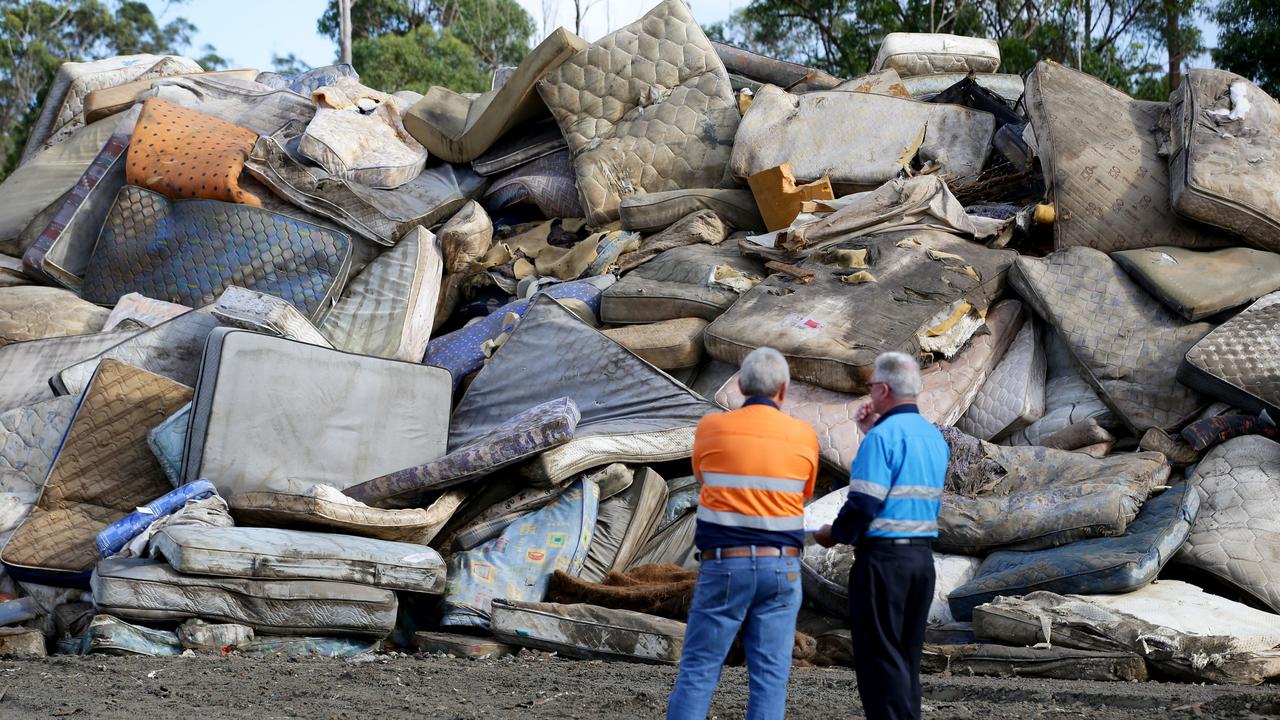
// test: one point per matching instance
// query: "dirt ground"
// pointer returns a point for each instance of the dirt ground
(539, 686)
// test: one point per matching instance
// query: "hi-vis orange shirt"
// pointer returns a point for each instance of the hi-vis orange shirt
(757, 465)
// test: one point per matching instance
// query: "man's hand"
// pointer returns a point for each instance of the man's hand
(866, 417)
(823, 536)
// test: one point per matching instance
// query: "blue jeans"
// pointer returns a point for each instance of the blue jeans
(759, 595)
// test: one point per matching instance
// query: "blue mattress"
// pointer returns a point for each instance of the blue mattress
(115, 536)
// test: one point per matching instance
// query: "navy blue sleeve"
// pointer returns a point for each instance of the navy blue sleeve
(869, 483)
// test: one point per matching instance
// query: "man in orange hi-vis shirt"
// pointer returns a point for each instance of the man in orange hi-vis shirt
(757, 466)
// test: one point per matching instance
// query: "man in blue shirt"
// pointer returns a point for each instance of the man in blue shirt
(891, 515)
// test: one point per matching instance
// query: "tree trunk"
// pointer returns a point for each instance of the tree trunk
(577, 17)
(1173, 41)
(344, 19)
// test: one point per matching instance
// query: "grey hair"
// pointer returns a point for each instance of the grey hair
(900, 372)
(764, 372)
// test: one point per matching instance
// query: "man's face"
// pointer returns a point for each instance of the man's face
(880, 396)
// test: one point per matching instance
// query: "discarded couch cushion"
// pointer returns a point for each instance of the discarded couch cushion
(647, 108)
(1099, 565)
(311, 506)
(1013, 395)
(183, 153)
(381, 216)
(1127, 343)
(625, 522)
(589, 632)
(1029, 498)
(1191, 281)
(669, 345)
(934, 53)
(25, 367)
(389, 308)
(189, 251)
(518, 565)
(1176, 627)
(529, 432)
(334, 435)
(654, 211)
(148, 591)
(458, 129)
(1235, 537)
(1102, 165)
(677, 284)
(35, 313)
(272, 553)
(915, 286)
(795, 129)
(103, 471)
(631, 412)
(1239, 361)
(1220, 125)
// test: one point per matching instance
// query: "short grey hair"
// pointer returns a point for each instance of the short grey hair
(900, 372)
(764, 372)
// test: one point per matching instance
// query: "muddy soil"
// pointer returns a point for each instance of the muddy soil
(540, 686)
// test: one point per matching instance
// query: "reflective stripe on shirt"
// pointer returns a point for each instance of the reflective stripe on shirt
(752, 482)
(875, 490)
(915, 492)
(904, 527)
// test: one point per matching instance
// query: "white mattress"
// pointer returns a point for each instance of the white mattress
(246, 552)
(269, 409)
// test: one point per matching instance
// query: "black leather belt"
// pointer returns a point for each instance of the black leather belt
(871, 542)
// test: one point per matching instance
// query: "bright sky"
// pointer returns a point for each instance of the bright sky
(247, 32)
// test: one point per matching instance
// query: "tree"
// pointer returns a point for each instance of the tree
(417, 60)
(37, 36)
(1249, 41)
(288, 64)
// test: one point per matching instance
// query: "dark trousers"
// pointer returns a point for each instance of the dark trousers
(890, 589)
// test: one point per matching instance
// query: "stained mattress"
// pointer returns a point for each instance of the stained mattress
(669, 345)
(547, 184)
(29, 440)
(1013, 396)
(528, 433)
(631, 411)
(783, 128)
(273, 553)
(25, 367)
(935, 53)
(149, 591)
(1236, 537)
(625, 522)
(369, 148)
(589, 632)
(1100, 565)
(650, 212)
(183, 153)
(1068, 397)
(1102, 165)
(142, 310)
(310, 507)
(264, 313)
(647, 108)
(1239, 361)
(103, 470)
(248, 380)
(36, 313)
(831, 331)
(1190, 281)
(1127, 343)
(675, 284)
(1221, 125)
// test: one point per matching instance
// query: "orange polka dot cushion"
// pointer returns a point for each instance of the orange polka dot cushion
(183, 153)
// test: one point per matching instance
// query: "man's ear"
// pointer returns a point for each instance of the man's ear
(782, 394)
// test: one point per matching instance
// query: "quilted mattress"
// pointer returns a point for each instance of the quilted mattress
(251, 105)
(143, 311)
(269, 314)
(166, 441)
(1222, 126)
(272, 553)
(308, 82)
(522, 145)
(647, 108)
(1239, 361)
(870, 149)
(925, 87)
(334, 435)
(1099, 565)
(381, 216)
(651, 212)
(1068, 397)
(189, 251)
(1013, 396)
(389, 308)
(182, 153)
(149, 591)
(547, 184)
(311, 507)
(462, 351)
(35, 313)
(1102, 166)
(625, 522)
(29, 440)
(1236, 537)
(372, 149)
(668, 345)
(1190, 281)
(171, 349)
(1029, 498)
(676, 284)
(1126, 341)
(103, 470)
(831, 331)
(25, 367)
(589, 632)
(935, 53)
(458, 128)
(631, 411)
(700, 228)
(106, 102)
(518, 564)
(527, 433)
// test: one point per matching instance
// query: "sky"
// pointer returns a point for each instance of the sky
(248, 32)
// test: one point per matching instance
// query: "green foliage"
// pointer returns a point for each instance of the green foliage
(417, 60)
(288, 64)
(1249, 41)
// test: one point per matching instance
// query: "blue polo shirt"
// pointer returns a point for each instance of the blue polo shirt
(895, 484)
